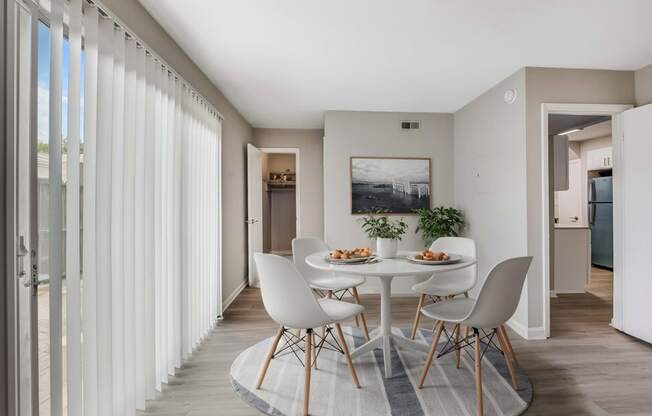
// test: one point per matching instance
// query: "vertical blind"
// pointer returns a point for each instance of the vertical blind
(141, 211)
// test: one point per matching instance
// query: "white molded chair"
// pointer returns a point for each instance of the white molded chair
(322, 281)
(290, 302)
(447, 284)
(496, 303)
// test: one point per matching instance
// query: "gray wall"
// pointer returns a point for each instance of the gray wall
(490, 176)
(350, 133)
(551, 85)
(310, 145)
(643, 80)
(236, 132)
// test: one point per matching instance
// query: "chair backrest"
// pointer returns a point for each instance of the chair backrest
(288, 299)
(302, 248)
(500, 293)
(468, 276)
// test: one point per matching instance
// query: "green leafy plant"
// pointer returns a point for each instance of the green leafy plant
(439, 222)
(378, 225)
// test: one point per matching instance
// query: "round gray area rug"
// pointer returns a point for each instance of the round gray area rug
(447, 391)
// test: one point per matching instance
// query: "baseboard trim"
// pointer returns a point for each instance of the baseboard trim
(229, 300)
(524, 332)
(553, 294)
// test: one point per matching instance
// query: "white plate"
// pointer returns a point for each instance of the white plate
(349, 261)
(453, 258)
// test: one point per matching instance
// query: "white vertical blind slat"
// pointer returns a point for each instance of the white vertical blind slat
(103, 211)
(73, 266)
(162, 180)
(56, 209)
(117, 219)
(177, 232)
(149, 248)
(129, 183)
(169, 203)
(89, 299)
(139, 229)
(158, 243)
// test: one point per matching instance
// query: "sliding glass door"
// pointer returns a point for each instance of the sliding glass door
(119, 213)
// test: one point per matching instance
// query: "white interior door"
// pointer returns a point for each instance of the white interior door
(570, 201)
(635, 177)
(254, 208)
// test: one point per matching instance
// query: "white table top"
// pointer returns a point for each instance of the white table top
(398, 266)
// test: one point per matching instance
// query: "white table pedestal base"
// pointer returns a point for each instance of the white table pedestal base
(385, 338)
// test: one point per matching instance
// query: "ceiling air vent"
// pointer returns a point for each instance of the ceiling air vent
(410, 125)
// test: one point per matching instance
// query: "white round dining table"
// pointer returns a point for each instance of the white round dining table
(386, 270)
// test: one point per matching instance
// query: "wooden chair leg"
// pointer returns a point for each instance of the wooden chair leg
(431, 353)
(349, 361)
(508, 342)
(314, 350)
(478, 373)
(417, 316)
(307, 361)
(508, 358)
(268, 359)
(362, 318)
(458, 351)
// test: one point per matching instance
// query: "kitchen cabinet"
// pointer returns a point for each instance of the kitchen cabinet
(600, 159)
(560, 162)
(572, 269)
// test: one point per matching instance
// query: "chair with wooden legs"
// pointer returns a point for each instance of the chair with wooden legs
(496, 303)
(327, 284)
(290, 302)
(448, 284)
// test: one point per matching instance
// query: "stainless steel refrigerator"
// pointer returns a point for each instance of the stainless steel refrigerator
(601, 221)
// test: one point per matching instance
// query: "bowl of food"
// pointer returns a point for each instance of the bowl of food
(434, 257)
(357, 255)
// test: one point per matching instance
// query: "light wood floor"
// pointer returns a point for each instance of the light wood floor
(585, 368)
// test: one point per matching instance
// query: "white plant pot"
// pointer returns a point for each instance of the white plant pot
(386, 247)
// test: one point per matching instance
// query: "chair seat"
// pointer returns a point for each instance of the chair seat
(340, 311)
(336, 282)
(454, 310)
(445, 285)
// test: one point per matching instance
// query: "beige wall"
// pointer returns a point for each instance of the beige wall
(236, 132)
(643, 79)
(350, 133)
(310, 145)
(490, 176)
(549, 85)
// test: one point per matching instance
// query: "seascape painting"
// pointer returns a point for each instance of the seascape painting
(393, 185)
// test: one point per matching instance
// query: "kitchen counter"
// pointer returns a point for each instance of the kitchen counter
(572, 266)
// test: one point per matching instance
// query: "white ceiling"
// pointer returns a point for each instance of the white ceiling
(282, 63)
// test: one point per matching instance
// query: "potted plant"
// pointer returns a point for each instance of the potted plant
(439, 222)
(386, 232)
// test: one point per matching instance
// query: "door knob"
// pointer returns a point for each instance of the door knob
(22, 252)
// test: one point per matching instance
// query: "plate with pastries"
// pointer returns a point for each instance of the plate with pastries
(434, 257)
(357, 255)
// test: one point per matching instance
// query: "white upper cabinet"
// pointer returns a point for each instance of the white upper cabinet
(600, 159)
(560, 162)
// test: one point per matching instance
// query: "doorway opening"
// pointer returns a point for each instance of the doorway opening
(580, 165)
(279, 202)
(273, 208)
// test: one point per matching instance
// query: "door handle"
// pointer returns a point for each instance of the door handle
(22, 252)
